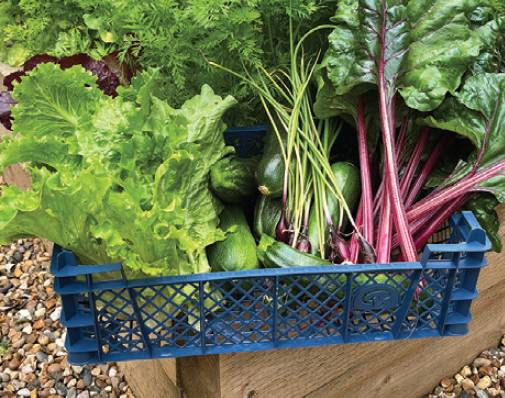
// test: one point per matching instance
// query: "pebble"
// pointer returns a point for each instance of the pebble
(86, 377)
(39, 313)
(114, 381)
(39, 324)
(466, 371)
(24, 392)
(41, 356)
(54, 368)
(43, 340)
(484, 383)
(493, 392)
(467, 384)
(61, 389)
(55, 315)
(479, 362)
(34, 364)
(24, 316)
(482, 394)
(14, 364)
(27, 329)
(495, 352)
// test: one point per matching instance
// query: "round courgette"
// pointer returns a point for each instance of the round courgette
(238, 251)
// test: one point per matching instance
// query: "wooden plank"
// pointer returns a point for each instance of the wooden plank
(148, 379)
(409, 368)
(170, 368)
(199, 377)
(401, 369)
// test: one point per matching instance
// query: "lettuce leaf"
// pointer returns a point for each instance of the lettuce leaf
(116, 179)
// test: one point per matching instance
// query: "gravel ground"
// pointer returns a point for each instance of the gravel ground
(484, 378)
(33, 362)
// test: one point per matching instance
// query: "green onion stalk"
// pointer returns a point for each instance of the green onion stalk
(286, 98)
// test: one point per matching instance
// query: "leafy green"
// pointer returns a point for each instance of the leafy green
(477, 112)
(408, 56)
(115, 179)
(428, 46)
(175, 35)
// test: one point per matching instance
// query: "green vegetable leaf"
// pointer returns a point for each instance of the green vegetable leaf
(123, 179)
(55, 104)
(427, 45)
(477, 112)
(58, 208)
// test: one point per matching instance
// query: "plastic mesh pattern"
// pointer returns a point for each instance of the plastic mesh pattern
(115, 320)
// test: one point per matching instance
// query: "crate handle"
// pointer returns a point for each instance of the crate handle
(465, 226)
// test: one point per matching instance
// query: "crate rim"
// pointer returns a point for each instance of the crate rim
(424, 263)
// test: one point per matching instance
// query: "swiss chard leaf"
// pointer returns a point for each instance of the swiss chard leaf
(477, 113)
(427, 45)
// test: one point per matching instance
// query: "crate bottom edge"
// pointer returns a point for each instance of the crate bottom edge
(165, 353)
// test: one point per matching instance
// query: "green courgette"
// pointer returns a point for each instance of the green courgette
(238, 251)
(267, 215)
(270, 175)
(271, 168)
(274, 254)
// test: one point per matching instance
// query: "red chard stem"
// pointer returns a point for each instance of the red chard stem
(426, 171)
(366, 179)
(434, 201)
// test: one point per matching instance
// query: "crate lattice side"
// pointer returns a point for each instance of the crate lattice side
(121, 319)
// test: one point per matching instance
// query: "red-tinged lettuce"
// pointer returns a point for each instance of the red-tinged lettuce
(123, 179)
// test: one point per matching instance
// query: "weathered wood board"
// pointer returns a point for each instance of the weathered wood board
(400, 369)
(151, 378)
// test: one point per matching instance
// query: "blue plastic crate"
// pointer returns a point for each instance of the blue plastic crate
(111, 318)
